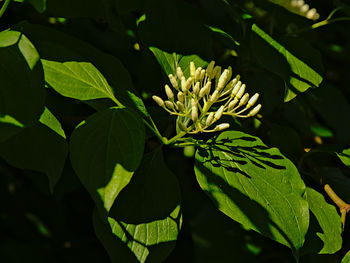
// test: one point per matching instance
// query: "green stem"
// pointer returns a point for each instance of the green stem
(119, 104)
(4, 7)
(176, 137)
(183, 144)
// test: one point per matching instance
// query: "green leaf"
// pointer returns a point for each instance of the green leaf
(58, 47)
(346, 258)
(78, 80)
(39, 5)
(41, 147)
(8, 127)
(345, 157)
(298, 75)
(146, 214)
(105, 150)
(169, 62)
(22, 78)
(254, 185)
(324, 235)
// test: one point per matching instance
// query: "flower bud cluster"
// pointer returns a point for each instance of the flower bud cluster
(303, 9)
(205, 96)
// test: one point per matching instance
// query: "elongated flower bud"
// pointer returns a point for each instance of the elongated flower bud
(214, 97)
(252, 100)
(219, 113)
(169, 105)
(222, 126)
(223, 79)
(179, 73)
(196, 89)
(254, 111)
(197, 74)
(244, 100)
(210, 67)
(169, 92)
(194, 110)
(209, 119)
(173, 81)
(187, 84)
(183, 83)
(241, 92)
(217, 72)
(236, 89)
(182, 126)
(202, 75)
(229, 75)
(180, 106)
(180, 97)
(232, 104)
(158, 100)
(192, 69)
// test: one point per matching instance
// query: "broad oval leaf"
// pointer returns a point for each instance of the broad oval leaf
(298, 75)
(146, 214)
(41, 147)
(254, 185)
(329, 240)
(106, 150)
(78, 80)
(18, 94)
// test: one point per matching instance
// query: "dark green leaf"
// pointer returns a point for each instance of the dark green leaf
(41, 148)
(254, 185)
(329, 228)
(106, 149)
(39, 5)
(169, 62)
(9, 127)
(298, 75)
(22, 79)
(345, 157)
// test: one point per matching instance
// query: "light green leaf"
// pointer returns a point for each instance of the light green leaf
(146, 214)
(346, 258)
(254, 185)
(298, 75)
(327, 220)
(169, 62)
(19, 57)
(40, 147)
(345, 157)
(78, 80)
(106, 149)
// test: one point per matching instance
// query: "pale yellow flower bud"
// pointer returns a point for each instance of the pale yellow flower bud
(197, 74)
(236, 89)
(311, 14)
(169, 92)
(255, 110)
(179, 73)
(187, 85)
(180, 97)
(300, 3)
(214, 97)
(173, 81)
(183, 83)
(304, 8)
(232, 104)
(244, 100)
(194, 110)
(223, 79)
(158, 100)
(192, 69)
(202, 75)
(222, 126)
(169, 105)
(210, 67)
(180, 106)
(241, 92)
(219, 113)
(209, 119)
(253, 100)
(196, 88)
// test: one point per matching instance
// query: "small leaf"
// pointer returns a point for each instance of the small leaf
(18, 94)
(298, 75)
(105, 150)
(8, 127)
(169, 62)
(328, 222)
(345, 157)
(78, 80)
(41, 148)
(254, 185)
